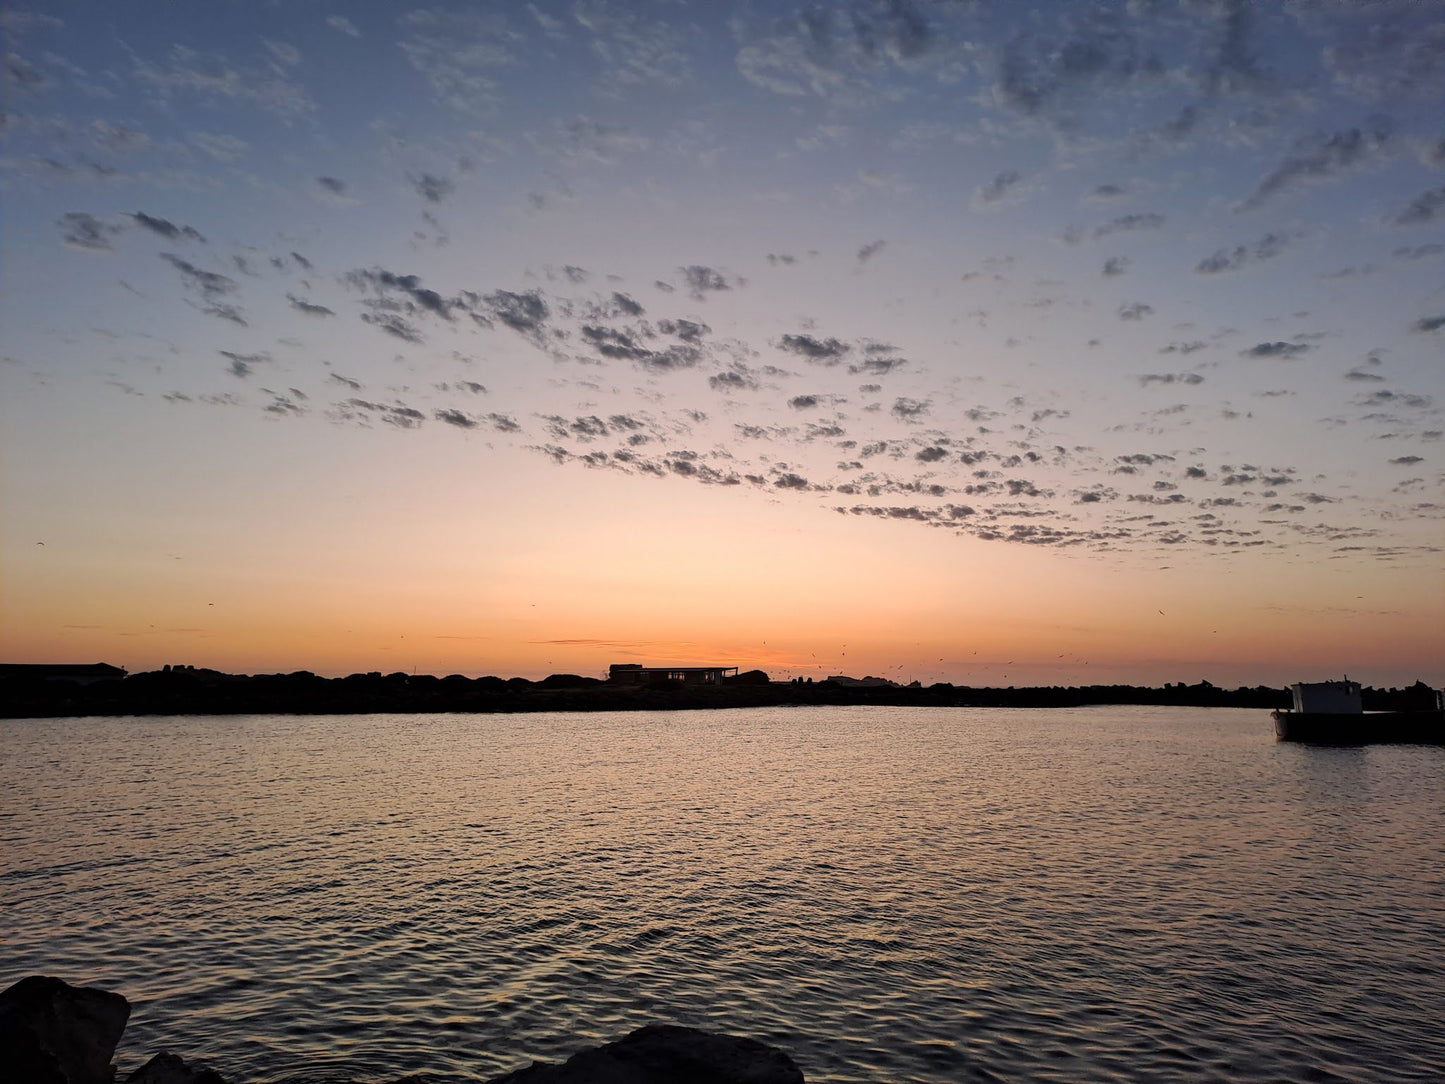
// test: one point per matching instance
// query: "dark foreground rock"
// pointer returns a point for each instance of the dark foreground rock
(168, 1068)
(664, 1054)
(55, 1033)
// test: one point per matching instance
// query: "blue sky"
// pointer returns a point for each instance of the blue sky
(1138, 293)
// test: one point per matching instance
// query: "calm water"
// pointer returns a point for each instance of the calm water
(1138, 894)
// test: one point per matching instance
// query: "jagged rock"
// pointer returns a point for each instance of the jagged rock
(168, 1068)
(55, 1033)
(666, 1054)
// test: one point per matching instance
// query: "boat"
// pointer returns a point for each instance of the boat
(1331, 713)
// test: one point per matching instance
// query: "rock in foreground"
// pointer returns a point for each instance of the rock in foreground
(168, 1068)
(55, 1033)
(665, 1054)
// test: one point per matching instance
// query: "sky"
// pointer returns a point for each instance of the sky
(992, 343)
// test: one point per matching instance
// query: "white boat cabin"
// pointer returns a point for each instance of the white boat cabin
(1327, 697)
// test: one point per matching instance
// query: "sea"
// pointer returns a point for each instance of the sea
(888, 894)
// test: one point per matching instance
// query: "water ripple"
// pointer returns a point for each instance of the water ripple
(890, 894)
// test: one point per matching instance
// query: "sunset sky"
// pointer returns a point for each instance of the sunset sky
(991, 343)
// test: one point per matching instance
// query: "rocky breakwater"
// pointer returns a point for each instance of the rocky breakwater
(55, 1033)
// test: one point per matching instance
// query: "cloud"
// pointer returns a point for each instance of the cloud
(820, 351)
(1150, 220)
(702, 280)
(632, 50)
(333, 190)
(1275, 350)
(86, 232)
(1170, 378)
(689, 331)
(119, 138)
(393, 325)
(242, 365)
(868, 251)
(611, 343)
(804, 402)
(1426, 207)
(879, 364)
(733, 380)
(1419, 252)
(455, 50)
(456, 418)
(1055, 65)
(1184, 348)
(1317, 159)
(395, 297)
(432, 188)
(525, 313)
(1407, 460)
(1428, 324)
(586, 140)
(222, 148)
(303, 306)
(1003, 186)
(837, 51)
(396, 414)
(1115, 266)
(909, 409)
(1232, 259)
(789, 480)
(1134, 310)
(208, 284)
(628, 306)
(343, 25)
(165, 228)
(267, 86)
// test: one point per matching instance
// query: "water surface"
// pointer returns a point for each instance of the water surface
(891, 894)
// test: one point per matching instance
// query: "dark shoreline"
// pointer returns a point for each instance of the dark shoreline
(208, 692)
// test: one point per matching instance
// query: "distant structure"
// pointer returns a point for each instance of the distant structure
(869, 682)
(79, 673)
(1327, 697)
(629, 673)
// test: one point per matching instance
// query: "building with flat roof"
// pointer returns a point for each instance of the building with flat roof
(630, 673)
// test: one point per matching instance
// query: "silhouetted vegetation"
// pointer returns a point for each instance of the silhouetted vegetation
(189, 691)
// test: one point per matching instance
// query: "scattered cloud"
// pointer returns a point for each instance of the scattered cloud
(1276, 350)
(1131, 224)
(1426, 207)
(166, 228)
(86, 233)
(1319, 158)
(1232, 259)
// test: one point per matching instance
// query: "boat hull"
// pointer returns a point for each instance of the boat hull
(1365, 728)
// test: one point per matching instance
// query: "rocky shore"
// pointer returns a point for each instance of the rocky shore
(55, 1033)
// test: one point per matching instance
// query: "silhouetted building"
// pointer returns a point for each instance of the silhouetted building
(869, 682)
(80, 673)
(629, 673)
